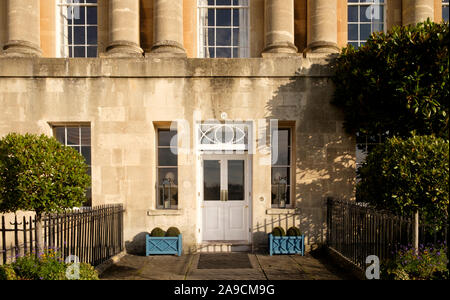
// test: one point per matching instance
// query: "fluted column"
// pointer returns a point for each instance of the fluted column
(322, 26)
(415, 11)
(23, 28)
(279, 28)
(124, 35)
(168, 28)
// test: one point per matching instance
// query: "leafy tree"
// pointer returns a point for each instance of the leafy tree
(407, 176)
(38, 173)
(398, 82)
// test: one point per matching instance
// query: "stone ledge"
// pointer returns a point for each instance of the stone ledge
(152, 67)
(165, 212)
(283, 211)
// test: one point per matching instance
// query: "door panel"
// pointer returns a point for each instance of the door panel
(225, 205)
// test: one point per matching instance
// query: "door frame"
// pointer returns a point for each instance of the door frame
(248, 189)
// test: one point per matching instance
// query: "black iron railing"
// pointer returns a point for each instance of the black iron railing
(92, 234)
(357, 231)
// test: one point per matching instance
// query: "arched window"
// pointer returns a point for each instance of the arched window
(364, 17)
(78, 21)
(223, 28)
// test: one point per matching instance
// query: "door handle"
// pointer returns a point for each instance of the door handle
(226, 195)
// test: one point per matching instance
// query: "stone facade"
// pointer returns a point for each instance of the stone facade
(126, 95)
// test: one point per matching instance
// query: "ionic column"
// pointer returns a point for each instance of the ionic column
(322, 26)
(279, 28)
(23, 28)
(415, 11)
(168, 28)
(124, 35)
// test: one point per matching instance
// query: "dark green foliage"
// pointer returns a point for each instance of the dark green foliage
(397, 82)
(157, 232)
(48, 266)
(173, 232)
(278, 231)
(293, 231)
(40, 174)
(408, 175)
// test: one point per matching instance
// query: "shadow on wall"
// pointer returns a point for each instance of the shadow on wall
(325, 163)
(137, 245)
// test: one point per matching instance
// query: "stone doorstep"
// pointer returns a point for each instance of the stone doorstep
(224, 247)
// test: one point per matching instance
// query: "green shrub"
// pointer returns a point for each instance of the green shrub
(48, 266)
(278, 231)
(408, 175)
(7, 273)
(429, 263)
(293, 231)
(397, 82)
(173, 232)
(157, 232)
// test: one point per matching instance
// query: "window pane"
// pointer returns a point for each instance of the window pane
(79, 37)
(223, 36)
(236, 37)
(223, 2)
(223, 52)
(167, 138)
(236, 180)
(282, 151)
(211, 17)
(86, 152)
(353, 13)
(235, 17)
(60, 135)
(92, 35)
(92, 15)
(211, 180)
(223, 17)
(170, 174)
(79, 16)
(91, 51)
(79, 51)
(167, 194)
(281, 193)
(353, 32)
(445, 11)
(167, 157)
(365, 32)
(279, 173)
(73, 136)
(365, 13)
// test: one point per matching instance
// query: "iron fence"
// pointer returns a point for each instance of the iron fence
(357, 231)
(92, 234)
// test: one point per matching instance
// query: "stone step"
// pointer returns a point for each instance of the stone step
(224, 247)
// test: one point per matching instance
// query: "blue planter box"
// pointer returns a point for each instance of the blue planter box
(286, 244)
(163, 245)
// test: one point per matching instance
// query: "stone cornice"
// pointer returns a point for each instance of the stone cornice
(151, 67)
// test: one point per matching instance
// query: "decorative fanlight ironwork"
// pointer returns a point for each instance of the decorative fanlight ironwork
(223, 136)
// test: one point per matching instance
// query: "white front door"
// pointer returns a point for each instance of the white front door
(225, 211)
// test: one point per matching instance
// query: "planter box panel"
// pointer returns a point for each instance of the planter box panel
(286, 244)
(163, 245)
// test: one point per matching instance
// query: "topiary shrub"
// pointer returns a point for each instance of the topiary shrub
(157, 232)
(293, 231)
(173, 232)
(278, 231)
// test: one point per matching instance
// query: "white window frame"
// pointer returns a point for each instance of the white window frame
(359, 23)
(62, 43)
(244, 23)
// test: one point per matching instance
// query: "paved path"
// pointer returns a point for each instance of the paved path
(262, 267)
